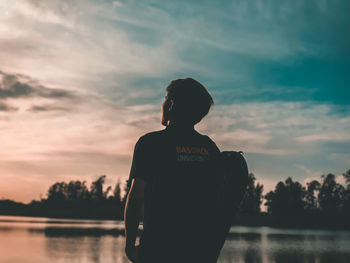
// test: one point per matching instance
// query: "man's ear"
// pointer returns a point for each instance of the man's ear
(171, 106)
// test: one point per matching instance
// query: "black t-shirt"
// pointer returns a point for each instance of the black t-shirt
(177, 165)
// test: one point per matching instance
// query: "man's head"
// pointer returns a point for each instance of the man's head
(187, 101)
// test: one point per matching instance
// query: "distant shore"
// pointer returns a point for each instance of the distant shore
(258, 220)
(321, 204)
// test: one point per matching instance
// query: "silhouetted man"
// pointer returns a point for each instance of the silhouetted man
(172, 178)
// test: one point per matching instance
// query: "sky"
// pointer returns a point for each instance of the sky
(81, 81)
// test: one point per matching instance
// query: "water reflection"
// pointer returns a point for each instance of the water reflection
(282, 246)
(85, 249)
(243, 247)
(76, 232)
(91, 241)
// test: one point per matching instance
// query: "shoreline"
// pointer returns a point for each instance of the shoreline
(250, 221)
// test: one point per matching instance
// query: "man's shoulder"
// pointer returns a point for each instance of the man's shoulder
(207, 140)
(151, 136)
(204, 137)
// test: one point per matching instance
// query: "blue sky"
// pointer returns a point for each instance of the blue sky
(82, 80)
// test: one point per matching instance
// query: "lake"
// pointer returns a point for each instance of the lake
(27, 239)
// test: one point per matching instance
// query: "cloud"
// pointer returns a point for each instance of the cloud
(265, 51)
(268, 132)
(48, 107)
(83, 122)
(330, 136)
(117, 4)
(6, 107)
(19, 86)
(86, 50)
(310, 173)
(265, 127)
(74, 137)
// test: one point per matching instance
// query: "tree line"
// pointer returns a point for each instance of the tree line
(290, 204)
(74, 200)
(323, 203)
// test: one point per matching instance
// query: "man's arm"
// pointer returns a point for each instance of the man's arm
(133, 214)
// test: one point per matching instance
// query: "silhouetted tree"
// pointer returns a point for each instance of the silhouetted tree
(117, 193)
(311, 202)
(127, 186)
(77, 192)
(253, 197)
(287, 199)
(346, 197)
(330, 195)
(346, 176)
(96, 189)
(57, 194)
(296, 196)
(328, 200)
(276, 200)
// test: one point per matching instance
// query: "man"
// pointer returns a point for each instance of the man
(172, 180)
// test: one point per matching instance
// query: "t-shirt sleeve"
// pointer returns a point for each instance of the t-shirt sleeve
(141, 163)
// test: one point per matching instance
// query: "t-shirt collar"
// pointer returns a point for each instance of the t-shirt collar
(178, 127)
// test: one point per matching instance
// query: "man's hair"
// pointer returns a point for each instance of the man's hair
(192, 101)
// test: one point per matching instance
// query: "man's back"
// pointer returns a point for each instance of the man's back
(177, 164)
(175, 181)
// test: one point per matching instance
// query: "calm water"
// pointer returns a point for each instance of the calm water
(26, 239)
